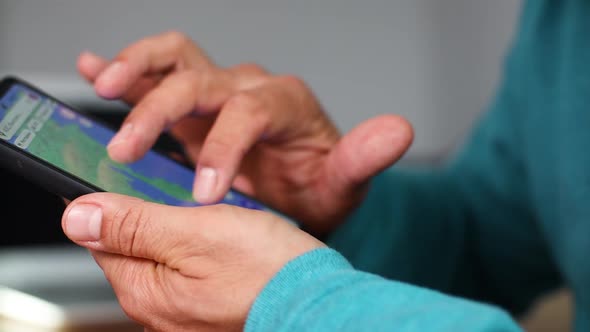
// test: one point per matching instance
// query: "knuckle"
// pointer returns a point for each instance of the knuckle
(152, 103)
(291, 81)
(222, 151)
(249, 75)
(245, 101)
(217, 147)
(178, 39)
(250, 105)
(200, 81)
(250, 68)
(128, 53)
(128, 225)
(151, 109)
(297, 90)
(192, 77)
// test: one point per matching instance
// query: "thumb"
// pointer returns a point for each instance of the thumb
(366, 150)
(128, 226)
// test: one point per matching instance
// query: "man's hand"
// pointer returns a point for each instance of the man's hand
(265, 134)
(181, 269)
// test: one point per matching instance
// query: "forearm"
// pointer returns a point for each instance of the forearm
(411, 228)
(465, 230)
(320, 291)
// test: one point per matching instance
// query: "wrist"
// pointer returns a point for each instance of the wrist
(271, 304)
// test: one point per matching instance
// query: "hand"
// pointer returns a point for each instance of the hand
(181, 269)
(265, 134)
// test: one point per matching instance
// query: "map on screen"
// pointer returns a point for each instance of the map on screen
(77, 144)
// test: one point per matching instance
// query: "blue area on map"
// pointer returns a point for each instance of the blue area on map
(150, 190)
(10, 97)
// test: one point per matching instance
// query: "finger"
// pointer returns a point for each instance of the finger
(131, 227)
(368, 149)
(91, 66)
(240, 124)
(152, 55)
(175, 97)
(262, 112)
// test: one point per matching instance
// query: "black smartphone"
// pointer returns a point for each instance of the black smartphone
(64, 150)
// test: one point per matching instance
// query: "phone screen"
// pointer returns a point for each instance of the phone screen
(76, 144)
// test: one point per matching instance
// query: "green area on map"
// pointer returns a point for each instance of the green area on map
(70, 149)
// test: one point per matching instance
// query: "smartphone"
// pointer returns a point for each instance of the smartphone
(64, 150)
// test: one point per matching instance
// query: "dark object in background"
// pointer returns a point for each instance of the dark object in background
(32, 216)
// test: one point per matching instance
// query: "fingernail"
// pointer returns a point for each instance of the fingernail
(83, 222)
(206, 181)
(123, 135)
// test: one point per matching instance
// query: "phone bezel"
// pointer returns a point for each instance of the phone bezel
(35, 169)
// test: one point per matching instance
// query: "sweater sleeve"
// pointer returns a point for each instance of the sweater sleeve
(467, 227)
(320, 291)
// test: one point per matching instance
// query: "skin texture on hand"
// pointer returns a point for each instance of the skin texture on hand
(179, 268)
(263, 133)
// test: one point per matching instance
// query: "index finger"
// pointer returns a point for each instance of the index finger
(151, 55)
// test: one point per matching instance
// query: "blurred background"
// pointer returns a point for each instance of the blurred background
(435, 62)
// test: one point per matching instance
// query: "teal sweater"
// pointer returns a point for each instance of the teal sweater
(470, 245)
